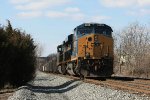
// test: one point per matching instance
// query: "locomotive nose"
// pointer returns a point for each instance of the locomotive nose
(93, 46)
(96, 40)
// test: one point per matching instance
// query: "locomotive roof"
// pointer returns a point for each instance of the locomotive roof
(94, 25)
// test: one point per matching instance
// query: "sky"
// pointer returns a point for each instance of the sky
(50, 21)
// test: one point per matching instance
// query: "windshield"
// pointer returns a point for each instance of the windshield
(102, 31)
(85, 30)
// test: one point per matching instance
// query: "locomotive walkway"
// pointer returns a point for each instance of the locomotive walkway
(56, 87)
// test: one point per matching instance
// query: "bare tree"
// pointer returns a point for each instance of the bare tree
(39, 50)
(134, 46)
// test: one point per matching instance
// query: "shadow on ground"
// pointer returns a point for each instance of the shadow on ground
(67, 86)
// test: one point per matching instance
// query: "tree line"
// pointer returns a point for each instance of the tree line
(132, 47)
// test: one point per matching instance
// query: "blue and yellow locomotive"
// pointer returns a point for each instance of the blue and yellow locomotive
(88, 51)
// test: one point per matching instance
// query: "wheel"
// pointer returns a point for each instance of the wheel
(63, 70)
(85, 70)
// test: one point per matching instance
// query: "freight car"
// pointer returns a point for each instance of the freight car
(87, 52)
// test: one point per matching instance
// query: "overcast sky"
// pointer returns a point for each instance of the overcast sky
(50, 21)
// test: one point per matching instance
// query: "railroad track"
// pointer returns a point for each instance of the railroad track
(130, 86)
(135, 86)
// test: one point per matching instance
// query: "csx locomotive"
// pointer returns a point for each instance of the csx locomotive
(88, 51)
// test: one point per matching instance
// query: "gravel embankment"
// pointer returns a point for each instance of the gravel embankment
(52, 87)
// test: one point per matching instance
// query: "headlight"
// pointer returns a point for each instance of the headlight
(95, 37)
(87, 54)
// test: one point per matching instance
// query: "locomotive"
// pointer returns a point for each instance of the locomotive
(87, 52)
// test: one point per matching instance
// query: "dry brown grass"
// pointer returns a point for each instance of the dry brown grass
(5, 93)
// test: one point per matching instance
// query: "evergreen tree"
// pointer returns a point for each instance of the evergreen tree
(17, 56)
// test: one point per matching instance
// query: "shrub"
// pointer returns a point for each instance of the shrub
(17, 56)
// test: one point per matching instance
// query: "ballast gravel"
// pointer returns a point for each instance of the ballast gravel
(53, 87)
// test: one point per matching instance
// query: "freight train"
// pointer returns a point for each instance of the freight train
(87, 52)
